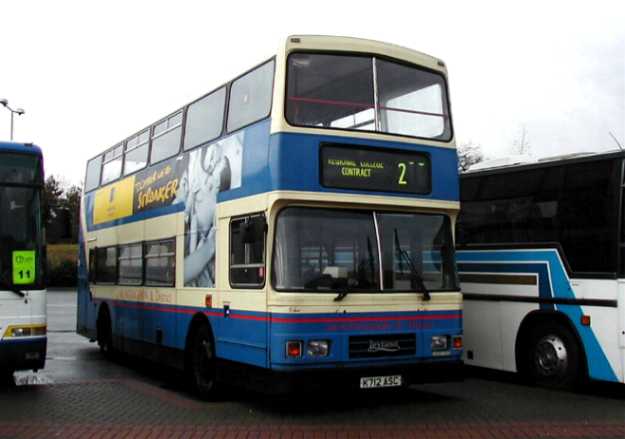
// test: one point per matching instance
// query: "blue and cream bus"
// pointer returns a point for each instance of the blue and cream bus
(23, 339)
(542, 267)
(295, 222)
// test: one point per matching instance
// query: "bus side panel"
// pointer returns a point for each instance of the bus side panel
(603, 362)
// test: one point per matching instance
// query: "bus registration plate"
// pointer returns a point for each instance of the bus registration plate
(382, 381)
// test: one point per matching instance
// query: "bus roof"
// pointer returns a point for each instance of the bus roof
(546, 162)
(501, 166)
(24, 148)
(361, 45)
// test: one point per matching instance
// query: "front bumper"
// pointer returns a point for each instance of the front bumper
(311, 380)
(28, 354)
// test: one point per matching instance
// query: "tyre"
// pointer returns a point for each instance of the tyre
(202, 368)
(553, 358)
(105, 333)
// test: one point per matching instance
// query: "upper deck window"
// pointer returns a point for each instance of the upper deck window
(367, 94)
(112, 168)
(166, 138)
(250, 97)
(136, 156)
(20, 169)
(94, 168)
(205, 119)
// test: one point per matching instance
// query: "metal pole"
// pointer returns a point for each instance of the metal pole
(11, 125)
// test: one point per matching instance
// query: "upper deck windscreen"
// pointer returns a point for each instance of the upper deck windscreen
(20, 169)
(367, 94)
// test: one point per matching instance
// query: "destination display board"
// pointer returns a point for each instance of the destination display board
(355, 167)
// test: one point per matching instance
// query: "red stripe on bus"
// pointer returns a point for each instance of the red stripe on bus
(348, 319)
(449, 316)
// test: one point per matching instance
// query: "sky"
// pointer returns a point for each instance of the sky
(89, 74)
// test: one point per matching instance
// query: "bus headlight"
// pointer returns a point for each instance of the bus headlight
(318, 348)
(26, 331)
(440, 342)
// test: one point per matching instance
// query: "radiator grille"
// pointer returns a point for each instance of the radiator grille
(386, 345)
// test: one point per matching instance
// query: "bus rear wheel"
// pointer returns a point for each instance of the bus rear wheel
(202, 367)
(553, 358)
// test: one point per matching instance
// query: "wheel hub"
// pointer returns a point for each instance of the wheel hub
(550, 356)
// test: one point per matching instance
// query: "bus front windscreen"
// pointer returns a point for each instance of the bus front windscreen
(366, 94)
(326, 250)
(20, 222)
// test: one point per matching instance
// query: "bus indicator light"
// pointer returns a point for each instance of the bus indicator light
(208, 301)
(585, 320)
(457, 342)
(294, 349)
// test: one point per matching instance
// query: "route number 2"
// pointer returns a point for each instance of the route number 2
(402, 173)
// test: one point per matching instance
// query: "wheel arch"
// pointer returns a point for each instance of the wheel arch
(197, 320)
(546, 316)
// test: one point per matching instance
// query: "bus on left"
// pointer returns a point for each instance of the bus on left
(23, 340)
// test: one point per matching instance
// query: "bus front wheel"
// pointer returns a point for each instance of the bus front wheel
(553, 358)
(202, 368)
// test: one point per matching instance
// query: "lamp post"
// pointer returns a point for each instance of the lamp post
(18, 111)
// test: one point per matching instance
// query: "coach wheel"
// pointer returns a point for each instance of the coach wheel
(202, 367)
(105, 333)
(554, 358)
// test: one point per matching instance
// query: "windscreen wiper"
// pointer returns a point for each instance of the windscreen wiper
(5, 286)
(413, 269)
(341, 295)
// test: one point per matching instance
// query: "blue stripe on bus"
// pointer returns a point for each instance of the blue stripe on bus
(243, 336)
(286, 161)
(552, 284)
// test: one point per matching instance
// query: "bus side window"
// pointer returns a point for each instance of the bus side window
(106, 265)
(247, 251)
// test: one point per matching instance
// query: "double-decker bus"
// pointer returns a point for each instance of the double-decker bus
(542, 268)
(23, 339)
(292, 226)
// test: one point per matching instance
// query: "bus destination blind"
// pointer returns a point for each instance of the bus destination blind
(351, 167)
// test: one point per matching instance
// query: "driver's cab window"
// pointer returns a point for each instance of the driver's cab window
(247, 251)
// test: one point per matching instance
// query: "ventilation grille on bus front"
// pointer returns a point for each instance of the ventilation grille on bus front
(387, 345)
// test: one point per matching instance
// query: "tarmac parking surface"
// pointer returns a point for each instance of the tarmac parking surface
(81, 394)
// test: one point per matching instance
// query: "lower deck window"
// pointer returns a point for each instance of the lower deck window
(160, 263)
(247, 251)
(131, 264)
(106, 265)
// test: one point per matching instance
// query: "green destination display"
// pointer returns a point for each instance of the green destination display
(24, 267)
(351, 167)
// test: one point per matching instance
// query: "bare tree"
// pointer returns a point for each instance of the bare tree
(469, 153)
(521, 144)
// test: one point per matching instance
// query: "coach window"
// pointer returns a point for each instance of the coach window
(250, 97)
(106, 265)
(131, 264)
(247, 251)
(94, 169)
(112, 168)
(160, 263)
(136, 156)
(205, 119)
(166, 138)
